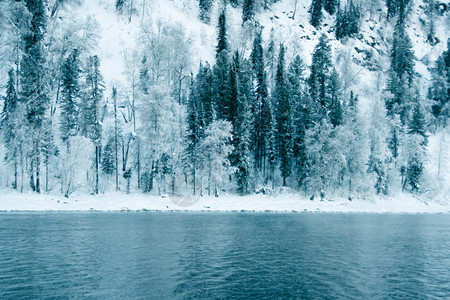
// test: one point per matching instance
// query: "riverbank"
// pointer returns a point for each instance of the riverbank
(289, 202)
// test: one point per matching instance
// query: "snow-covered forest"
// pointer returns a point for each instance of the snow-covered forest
(346, 98)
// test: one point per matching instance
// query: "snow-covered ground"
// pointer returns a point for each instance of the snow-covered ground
(403, 203)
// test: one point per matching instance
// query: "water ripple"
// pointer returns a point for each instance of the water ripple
(222, 256)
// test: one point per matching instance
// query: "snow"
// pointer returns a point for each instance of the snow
(289, 202)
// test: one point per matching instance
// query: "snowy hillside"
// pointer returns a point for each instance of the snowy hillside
(152, 137)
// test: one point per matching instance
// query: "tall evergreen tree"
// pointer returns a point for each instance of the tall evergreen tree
(284, 119)
(315, 12)
(241, 137)
(195, 132)
(222, 42)
(70, 92)
(10, 124)
(203, 90)
(418, 125)
(321, 69)
(330, 6)
(261, 108)
(348, 20)
(108, 161)
(90, 110)
(401, 73)
(336, 105)
(34, 85)
(205, 10)
(221, 86)
(416, 147)
(440, 89)
(300, 117)
(248, 10)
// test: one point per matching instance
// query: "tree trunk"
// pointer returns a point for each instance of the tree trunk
(138, 165)
(46, 176)
(15, 174)
(38, 179)
(97, 158)
(116, 144)
(32, 185)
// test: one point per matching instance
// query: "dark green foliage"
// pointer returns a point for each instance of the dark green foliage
(241, 128)
(394, 143)
(348, 20)
(321, 67)
(414, 173)
(397, 8)
(70, 92)
(401, 73)
(336, 105)
(248, 10)
(195, 131)
(205, 10)
(418, 124)
(10, 125)
(221, 86)
(222, 42)
(440, 89)
(203, 90)
(90, 108)
(147, 182)
(300, 117)
(120, 4)
(330, 6)
(261, 108)
(34, 89)
(108, 161)
(284, 118)
(315, 12)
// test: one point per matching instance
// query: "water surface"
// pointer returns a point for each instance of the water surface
(224, 255)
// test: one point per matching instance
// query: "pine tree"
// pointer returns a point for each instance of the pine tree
(195, 132)
(222, 42)
(241, 137)
(205, 10)
(401, 73)
(108, 161)
(34, 86)
(315, 11)
(348, 20)
(336, 105)
(261, 108)
(300, 118)
(440, 89)
(221, 86)
(203, 90)
(417, 125)
(10, 125)
(415, 157)
(70, 93)
(284, 119)
(321, 68)
(248, 10)
(90, 110)
(397, 8)
(330, 6)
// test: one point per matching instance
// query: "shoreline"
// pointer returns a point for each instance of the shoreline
(112, 202)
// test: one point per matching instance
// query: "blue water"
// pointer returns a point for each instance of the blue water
(224, 255)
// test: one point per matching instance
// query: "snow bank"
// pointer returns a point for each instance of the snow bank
(404, 203)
